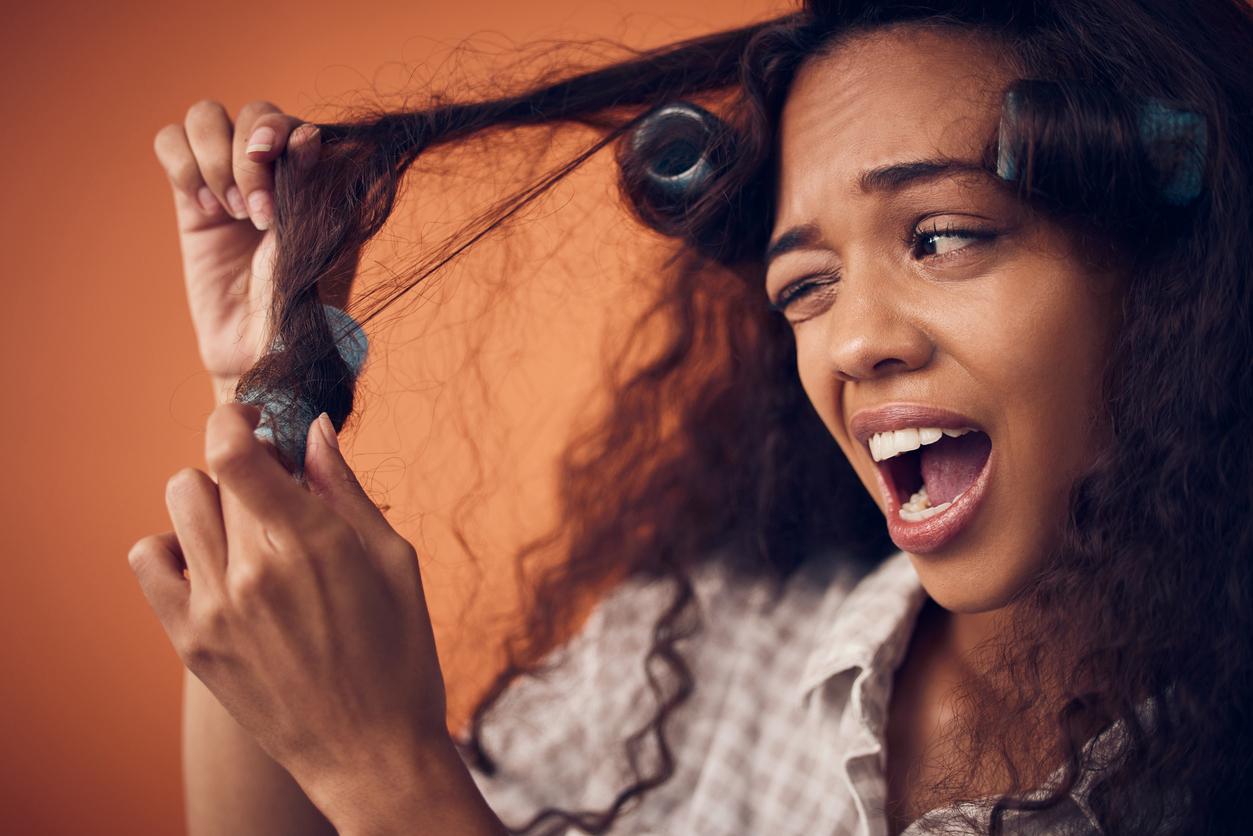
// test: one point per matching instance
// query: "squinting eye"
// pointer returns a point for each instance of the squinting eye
(802, 298)
(945, 241)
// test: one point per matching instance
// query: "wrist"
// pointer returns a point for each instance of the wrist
(429, 791)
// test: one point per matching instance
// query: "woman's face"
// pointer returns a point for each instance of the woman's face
(952, 345)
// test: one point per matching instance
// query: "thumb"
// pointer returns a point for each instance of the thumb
(329, 478)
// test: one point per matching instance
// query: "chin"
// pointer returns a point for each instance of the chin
(974, 580)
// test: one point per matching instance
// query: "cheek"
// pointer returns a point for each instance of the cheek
(1043, 364)
(1039, 341)
(1053, 362)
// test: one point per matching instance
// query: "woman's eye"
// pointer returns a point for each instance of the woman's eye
(801, 291)
(939, 242)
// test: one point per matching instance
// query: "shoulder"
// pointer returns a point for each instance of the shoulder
(559, 736)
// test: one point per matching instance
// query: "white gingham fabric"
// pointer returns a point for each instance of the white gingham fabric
(783, 735)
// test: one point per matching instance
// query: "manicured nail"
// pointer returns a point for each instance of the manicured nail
(328, 430)
(208, 203)
(235, 201)
(261, 208)
(262, 140)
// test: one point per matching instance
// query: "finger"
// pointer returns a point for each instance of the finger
(196, 511)
(261, 134)
(157, 562)
(305, 146)
(209, 132)
(175, 155)
(329, 478)
(247, 469)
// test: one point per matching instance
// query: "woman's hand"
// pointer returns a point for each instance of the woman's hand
(223, 179)
(303, 612)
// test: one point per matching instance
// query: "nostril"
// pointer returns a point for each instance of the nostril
(891, 364)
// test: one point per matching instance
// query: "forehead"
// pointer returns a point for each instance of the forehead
(892, 96)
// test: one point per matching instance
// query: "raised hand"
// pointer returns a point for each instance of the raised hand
(222, 173)
(303, 612)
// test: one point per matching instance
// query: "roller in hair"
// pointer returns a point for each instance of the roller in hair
(670, 161)
(678, 143)
(286, 416)
(1090, 150)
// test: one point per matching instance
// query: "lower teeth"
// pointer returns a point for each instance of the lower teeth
(919, 507)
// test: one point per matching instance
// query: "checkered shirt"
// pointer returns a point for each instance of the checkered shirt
(783, 735)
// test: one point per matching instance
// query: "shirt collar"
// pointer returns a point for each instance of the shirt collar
(870, 627)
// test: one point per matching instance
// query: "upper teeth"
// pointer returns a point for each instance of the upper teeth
(885, 445)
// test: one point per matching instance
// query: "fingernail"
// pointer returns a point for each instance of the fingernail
(328, 430)
(262, 140)
(208, 203)
(261, 208)
(236, 202)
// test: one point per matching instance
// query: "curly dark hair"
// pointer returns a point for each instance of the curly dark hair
(712, 442)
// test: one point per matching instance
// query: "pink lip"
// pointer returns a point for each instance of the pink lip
(935, 533)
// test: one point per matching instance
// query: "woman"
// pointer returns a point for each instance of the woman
(1007, 249)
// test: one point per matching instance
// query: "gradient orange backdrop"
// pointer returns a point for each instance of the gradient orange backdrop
(103, 400)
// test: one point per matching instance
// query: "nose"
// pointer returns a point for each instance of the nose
(873, 332)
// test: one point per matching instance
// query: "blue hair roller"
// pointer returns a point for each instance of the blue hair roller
(285, 416)
(1175, 142)
(682, 166)
(1162, 131)
(1006, 152)
(349, 338)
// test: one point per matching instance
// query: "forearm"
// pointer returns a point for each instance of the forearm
(233, 788)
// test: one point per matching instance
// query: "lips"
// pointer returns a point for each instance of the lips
(955, 470)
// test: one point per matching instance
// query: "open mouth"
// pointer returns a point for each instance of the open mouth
(928, 469)
(934, 466)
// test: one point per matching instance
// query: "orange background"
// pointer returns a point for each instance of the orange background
(105, 401)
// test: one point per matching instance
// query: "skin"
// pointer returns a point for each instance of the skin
(1011, 329)
(314, 699)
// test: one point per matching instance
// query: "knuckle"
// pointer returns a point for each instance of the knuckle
(140, 555)
(253, 110)
(167, 138)
(227, 455)
(395, 553)
(188, 489)
(252, 582)
(400, 551)
(182, 484)
(204, 632)
(183, 173)
(209, 620)
(194, 650)
(204, 110)
(218, 171)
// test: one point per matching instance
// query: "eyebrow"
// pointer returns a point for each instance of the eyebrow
(885, 178)
(796, 238)
(898, 176)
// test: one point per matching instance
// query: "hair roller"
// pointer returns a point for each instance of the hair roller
(287, 411)
(1085, 151)
(669, 161)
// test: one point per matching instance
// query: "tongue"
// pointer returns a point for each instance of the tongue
(952, 465)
